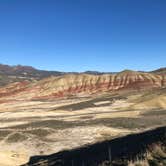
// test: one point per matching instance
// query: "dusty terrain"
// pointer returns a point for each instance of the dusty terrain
(63, 112)
(137, 149)
(29, 128)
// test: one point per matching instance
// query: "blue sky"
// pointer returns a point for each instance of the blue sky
(79, 35)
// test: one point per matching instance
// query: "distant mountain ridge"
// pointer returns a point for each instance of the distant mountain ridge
(160, 71)
(23, 70)
(10, 74)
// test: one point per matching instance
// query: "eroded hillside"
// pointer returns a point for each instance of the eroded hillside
(83, 85)
(73, 110)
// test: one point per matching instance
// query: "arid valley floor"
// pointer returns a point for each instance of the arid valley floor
(48, 123)
(43, 127)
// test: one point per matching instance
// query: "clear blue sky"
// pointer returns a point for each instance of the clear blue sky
(79, 35)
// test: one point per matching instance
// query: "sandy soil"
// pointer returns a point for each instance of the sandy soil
(30, 128)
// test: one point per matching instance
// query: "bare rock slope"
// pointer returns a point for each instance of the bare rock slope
(83, 84)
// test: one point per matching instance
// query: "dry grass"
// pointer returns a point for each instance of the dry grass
(50, 126)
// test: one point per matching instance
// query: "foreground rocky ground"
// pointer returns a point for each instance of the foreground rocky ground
(143, 149)
(29, 128)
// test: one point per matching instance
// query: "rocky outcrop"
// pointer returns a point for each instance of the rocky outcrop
(85, 84)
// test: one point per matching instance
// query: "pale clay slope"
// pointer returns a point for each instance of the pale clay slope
(151, 101)
(160, 102)
(65, 139)
(62, 139)
(11, 158)
(14, 154)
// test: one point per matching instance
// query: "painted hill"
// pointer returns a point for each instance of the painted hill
(83, 85)
(18, 73)
(10, 74)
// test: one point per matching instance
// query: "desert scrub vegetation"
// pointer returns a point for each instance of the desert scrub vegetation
(141, 149)
(38, 132)
(122, 122)
(4, 133)
(55, 124)
(156, 157)
(155, 113)
(90, 103)
(16, 137)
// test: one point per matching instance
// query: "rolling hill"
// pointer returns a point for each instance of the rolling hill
(49, 113)
(81, 85)
(10, 74)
